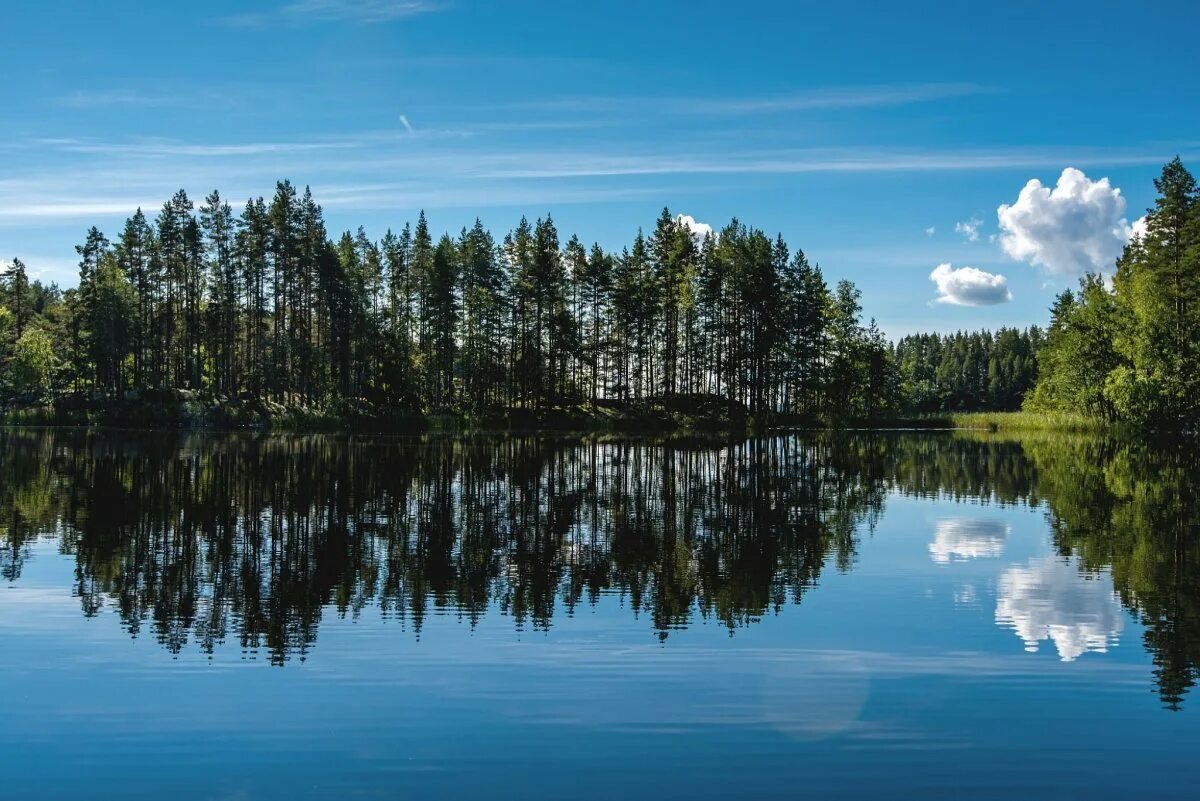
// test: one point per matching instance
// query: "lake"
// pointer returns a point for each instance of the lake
(853, 615)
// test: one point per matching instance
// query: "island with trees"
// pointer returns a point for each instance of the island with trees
(200, 316)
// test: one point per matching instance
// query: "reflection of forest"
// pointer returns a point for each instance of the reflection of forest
(209, 538)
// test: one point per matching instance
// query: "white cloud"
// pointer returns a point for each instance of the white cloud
(958, 539)
(407, 125)
(968, 286)
(1051, 600)
(1077, 226)
(1139, 229)
(699, 230)
(969, 229)
(930, 231)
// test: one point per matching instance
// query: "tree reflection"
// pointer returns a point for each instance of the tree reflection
(1133, 508)
(203, 539)
(250, 539)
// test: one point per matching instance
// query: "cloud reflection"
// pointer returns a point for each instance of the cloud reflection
(1050, 599)
(958, 539)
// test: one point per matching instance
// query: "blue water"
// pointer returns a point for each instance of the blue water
(944, 638)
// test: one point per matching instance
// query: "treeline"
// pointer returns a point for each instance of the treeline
(968, 371)
(266, 305)
(1129, 350)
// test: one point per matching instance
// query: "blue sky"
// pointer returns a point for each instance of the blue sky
(865, 133)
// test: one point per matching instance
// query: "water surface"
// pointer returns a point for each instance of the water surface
(925, 615)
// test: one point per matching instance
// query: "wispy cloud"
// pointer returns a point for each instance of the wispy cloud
(117, 98)
(63, 208)
(418, 194)
(969, 229)
(574, 165)
(309, 12)
(831, 98)
(153, 148)
(437, 170)
(812, 99)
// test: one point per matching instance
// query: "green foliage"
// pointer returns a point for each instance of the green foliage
(1078, 356)
(267, 307)
(33, 363)
(1132, 352)
(111, 332)
(7, 324)
(977, 371)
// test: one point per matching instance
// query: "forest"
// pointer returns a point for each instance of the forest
(968, 371)
(266, 306)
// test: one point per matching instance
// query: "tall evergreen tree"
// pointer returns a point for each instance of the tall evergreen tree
(18, 296)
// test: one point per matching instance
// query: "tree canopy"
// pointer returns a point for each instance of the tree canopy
(1127, 349)
(266, 304)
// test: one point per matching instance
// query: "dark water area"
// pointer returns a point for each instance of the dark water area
(855, 615)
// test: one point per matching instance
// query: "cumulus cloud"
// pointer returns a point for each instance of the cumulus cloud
(958, 539)
(1076, 226)
(968, 286)
(1050, 599)
(969, 229)
(1139, 229)
(699, 229)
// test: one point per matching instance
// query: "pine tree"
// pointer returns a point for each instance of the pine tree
(284, 250)
(19, 298)
(136, 255)
(441, 310)
(596, 290)
(217, 224)
(252, 249)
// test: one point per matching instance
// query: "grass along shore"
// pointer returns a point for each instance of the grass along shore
(1013, 422)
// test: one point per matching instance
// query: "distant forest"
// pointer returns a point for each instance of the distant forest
(266, 305)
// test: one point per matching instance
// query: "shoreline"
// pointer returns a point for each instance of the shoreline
(682, 416)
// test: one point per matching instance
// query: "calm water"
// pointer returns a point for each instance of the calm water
(815, 616)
